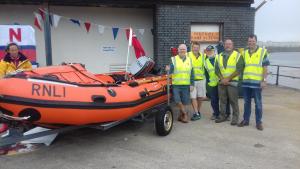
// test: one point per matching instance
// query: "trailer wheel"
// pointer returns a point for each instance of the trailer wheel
(164, 121)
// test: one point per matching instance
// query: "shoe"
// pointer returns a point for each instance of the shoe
(220, 120)
(243, 123)
(179, 117)
(199, 114)
(213, 117)
(233, 123)
(196, 116)
(185, 118)
(227, 117)
(3, 151)
(260, 127)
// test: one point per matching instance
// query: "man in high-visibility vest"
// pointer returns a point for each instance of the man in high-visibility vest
(254, 80)
(212, 82)
(199, 92)
(228, 68)
(182, 81)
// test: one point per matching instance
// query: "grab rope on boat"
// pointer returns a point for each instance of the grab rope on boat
(7, 117)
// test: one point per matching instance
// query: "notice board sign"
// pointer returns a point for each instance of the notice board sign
(205, 36)
(208, 33)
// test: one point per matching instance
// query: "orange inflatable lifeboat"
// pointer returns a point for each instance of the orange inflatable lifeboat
(70, 95)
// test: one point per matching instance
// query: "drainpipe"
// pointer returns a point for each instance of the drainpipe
(47, 37)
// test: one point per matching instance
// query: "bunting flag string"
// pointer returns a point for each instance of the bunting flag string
(101, 29)
(37, 21)
(54, 20)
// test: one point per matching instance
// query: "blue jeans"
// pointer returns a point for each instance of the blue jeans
(214, 101)
(256, 94)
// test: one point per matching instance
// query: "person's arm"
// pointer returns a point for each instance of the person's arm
(265, 64)
(192, 78)
(170, 68)
(239, 68)
(3, 67)
(217, 70)
(28, 65)
(265, 72)
(206, 75)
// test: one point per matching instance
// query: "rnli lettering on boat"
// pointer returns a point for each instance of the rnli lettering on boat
(48, 90)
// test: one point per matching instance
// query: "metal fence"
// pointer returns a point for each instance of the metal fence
(278, 74)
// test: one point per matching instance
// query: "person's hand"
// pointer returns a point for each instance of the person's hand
(225, 81)
(263, 84)
(192, 88)
(11, 73)
(168, 68)
(19, 70)
(15, 72)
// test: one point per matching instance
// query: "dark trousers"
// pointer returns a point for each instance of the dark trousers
(214, 101)
(256, 94)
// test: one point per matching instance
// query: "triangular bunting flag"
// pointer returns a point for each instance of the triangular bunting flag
(37, 21)
(87, 26)
(141, 31)
(101, 29)
(42, 13)
(75, 21)
(115, 32)
(56, 19)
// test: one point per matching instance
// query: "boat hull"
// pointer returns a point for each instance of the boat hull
(48, 101)
(67, 115)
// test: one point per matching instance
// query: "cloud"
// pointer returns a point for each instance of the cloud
(278, 20)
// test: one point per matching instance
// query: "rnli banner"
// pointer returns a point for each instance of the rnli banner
(23, 35)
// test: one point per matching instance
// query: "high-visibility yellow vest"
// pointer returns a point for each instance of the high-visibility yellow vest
(182, 71)
(231, 65)
(198, 65)
(253, 71)
(213, 78)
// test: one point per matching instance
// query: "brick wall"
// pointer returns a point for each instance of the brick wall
(172, 25)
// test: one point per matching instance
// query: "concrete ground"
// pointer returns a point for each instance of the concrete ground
(201, 145)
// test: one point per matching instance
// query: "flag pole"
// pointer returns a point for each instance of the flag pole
(128, 52)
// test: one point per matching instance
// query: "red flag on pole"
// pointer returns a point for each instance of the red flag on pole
(138, 48)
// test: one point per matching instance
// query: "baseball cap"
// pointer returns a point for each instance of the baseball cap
(210, 47)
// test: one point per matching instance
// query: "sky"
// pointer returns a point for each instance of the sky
(278, 20)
